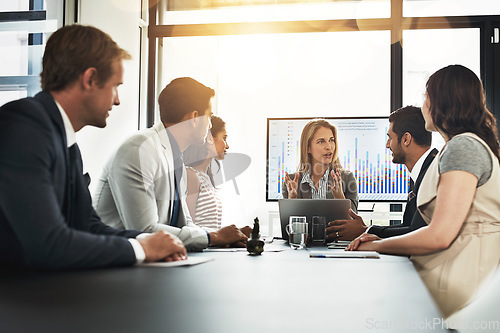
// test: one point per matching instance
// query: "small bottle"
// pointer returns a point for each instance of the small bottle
(255, 245)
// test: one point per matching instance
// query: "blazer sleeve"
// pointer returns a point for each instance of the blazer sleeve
(350, 185)
(96, 226)
(397, 230)
(34, 232)
(141, 194)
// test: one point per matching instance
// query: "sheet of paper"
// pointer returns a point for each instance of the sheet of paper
(337, 246)
(339, 243)
(344, 254)
(188, 262)
(226, 249)
(267, 248)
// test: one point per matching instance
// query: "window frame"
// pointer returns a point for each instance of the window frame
(29, 82)
(395, 24)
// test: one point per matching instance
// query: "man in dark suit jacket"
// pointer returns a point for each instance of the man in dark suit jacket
(46, 217)
(410, 144)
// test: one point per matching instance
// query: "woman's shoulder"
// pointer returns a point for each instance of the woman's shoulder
(346, 173)
(466, 153)
(192, 177)
(466, 143)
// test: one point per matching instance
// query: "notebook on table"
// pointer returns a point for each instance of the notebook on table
(332, 209)
(344, 254)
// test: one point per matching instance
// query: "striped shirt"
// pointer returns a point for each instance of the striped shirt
(208, 212)
(322, 190)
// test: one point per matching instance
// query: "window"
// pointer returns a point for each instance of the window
(24, 28)
(285, 74)
(426, 51)
(426, 8)
(196, 12)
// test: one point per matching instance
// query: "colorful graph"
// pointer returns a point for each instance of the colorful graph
(362, 150)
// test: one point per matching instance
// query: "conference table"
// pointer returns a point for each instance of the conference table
(281, 290)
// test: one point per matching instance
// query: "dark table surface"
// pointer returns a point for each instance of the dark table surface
(275, 292)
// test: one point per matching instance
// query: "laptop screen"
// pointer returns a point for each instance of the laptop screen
(332, 209)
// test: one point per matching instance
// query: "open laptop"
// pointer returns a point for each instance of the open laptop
(332, 209)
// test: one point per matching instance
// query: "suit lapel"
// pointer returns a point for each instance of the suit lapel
(428, 160)
(329, 194)
(166, 153)
(50, 107)
(411, 206)
(304, 188)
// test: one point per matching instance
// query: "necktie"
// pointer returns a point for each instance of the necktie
(411, 194)
(178, 166)
(70, 197)
(78, 201)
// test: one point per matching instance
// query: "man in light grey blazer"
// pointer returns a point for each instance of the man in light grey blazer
(143, 185)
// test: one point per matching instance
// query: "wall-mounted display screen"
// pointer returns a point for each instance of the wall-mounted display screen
(361, 144)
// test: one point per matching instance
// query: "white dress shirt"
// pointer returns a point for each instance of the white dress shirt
(418, 166)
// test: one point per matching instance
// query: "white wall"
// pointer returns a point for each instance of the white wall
(118, 18)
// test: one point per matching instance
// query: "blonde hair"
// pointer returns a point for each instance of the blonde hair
(305, 142)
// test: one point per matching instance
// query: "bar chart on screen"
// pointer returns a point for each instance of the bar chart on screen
(361, 144)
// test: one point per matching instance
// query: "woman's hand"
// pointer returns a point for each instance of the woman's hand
(337, 190)
(292, 185)
(363, 243)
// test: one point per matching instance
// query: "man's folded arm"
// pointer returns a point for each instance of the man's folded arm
(397, 230)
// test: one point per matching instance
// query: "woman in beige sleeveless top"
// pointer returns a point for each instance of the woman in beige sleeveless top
(459, 197)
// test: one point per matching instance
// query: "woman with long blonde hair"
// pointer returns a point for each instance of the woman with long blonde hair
(320, 174)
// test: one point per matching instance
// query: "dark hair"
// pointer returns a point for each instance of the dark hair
(458, 105)
(182, 96)
(72, 49)
(195, 154)
(218, 125)
(410, 119)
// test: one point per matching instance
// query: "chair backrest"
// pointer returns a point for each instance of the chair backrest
(482, 314)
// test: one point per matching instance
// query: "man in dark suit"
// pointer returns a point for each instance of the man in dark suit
(410, 144)
(46, 217)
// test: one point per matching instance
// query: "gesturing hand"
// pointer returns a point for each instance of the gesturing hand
(292, 185)
(336, 188)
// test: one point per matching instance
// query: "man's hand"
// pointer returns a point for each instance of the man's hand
(163, 246)
(246, 230)
(345, 229)
(292, 185)
(227, 235)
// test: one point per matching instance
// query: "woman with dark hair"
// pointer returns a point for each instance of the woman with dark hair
(320, 174)
(459, 197)
(203, 201)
